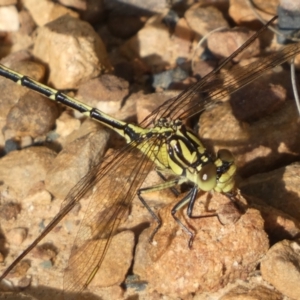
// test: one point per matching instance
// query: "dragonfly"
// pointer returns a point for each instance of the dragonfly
(162, 141)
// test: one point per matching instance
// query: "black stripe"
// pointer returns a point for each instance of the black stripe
(9, 75)
(64, 99)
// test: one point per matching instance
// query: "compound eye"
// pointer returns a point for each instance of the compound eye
(225, 155)
(208, 177)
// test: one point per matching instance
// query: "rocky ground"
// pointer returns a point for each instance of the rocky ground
(126, 58)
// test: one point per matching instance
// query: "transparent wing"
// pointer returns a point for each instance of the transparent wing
(215, 86)
(111, 199)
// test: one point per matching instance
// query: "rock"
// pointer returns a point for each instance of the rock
(11, 92)
(9, 19)
(106, 93)
(27, 22)
(51, 11)
(16, 236)
(33, 115)
(7, 2)
(224, 43)
(147, 45)
(253, 152)
(117, 261)
(220, 253)
(242, 13)
(164, 80)
(66, 125)
(93, 11)
(202, 20)
(124, 26)
(258, 292)
(21, 170)
(147, 103)
(85, 50)
(278, 188)
(78, 4)
(9, 210)
(133, 7)
(280, 267)
(74, 161)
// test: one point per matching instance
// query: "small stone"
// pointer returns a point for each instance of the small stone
(164, 80)
(124, 26)
(9, 211)
(147, 45)
(274, 97)
(26, 141)
(45, 252)
(241, 12)
(21, 170)
(85, 49)
(202, 20)
(12, 92)
(27, 25)
(281, 268)
(79, 4)
(258, 292)
(225, 42)
(24, 282)
(74, 162)
(51, 11)
(9, 19)
(19, 270)
(66, 124)
(7, 2)
(33, 115)
(37, 195)
(278, 188)
(147, 103)
(105, 93)
(115, 268)
(16, 236)
(137, 7)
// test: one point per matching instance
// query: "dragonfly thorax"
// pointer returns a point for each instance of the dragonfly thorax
(180, 151)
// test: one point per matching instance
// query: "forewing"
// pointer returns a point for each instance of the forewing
(116, 183)
(215, 87)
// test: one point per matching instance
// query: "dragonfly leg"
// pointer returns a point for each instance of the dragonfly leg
(172, 189)
(189, 198)
(163, 186)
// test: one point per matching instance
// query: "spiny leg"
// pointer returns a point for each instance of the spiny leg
(172, 189)
(159, 187)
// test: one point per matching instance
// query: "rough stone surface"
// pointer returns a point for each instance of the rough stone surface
(204, 19)
(147, 45)
(9, 20)
(258, 292)
(51, 11)
(105, 93)
(33, 115)
(241, 12)
(231, 40)
(11, 92)
(75, 161)
(220, 253)
(253, 152)
(22, 169)
(86, 56)
(7, 2)
(278, 188)
(280, 267)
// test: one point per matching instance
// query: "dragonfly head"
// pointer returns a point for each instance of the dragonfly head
(226, 170)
